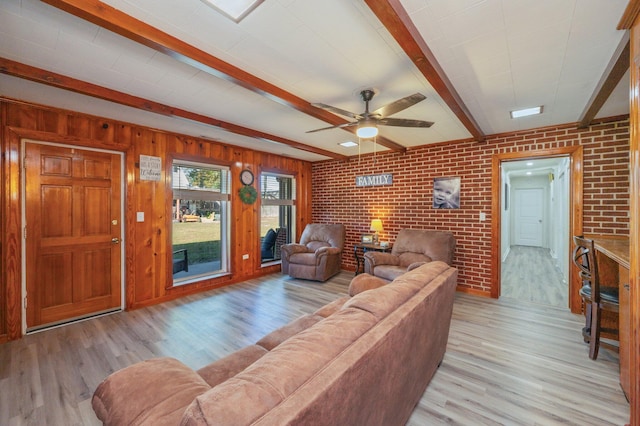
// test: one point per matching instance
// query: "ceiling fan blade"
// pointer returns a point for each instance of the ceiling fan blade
(399, 105)
(337, 110)
(339, 126)
(404, 122)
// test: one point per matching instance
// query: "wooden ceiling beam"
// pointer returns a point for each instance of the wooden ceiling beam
(618, 65)
(127, 26)
(49, 78)
(397, 21)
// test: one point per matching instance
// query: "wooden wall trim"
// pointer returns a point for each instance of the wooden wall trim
(12, 235)
(50, 78)
(575, 222)
(632, 21)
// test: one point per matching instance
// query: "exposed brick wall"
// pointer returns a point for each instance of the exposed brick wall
(407, 203)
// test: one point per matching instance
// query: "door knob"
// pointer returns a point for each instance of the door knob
(115, 240)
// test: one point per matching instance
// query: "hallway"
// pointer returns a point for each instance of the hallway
(530, 274)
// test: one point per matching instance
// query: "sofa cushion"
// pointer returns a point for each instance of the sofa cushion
(227, 367)
(141, 394)
(437, 245)
(381, 301)
(278, 336)
(332, 307)
(250, 394)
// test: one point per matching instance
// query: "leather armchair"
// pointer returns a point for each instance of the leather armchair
(412, 248)
(318, 256)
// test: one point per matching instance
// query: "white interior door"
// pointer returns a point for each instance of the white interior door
(529, 212)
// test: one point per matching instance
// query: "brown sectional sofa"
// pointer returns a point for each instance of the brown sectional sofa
(361, 360)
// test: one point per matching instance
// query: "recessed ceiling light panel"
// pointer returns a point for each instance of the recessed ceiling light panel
(236, 10)
(348, 144)
(526, 112)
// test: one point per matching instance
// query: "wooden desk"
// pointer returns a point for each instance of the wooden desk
(612, 254)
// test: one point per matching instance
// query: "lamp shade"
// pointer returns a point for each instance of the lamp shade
(376, 225)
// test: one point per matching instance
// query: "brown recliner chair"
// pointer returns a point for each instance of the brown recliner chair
(318, 255)
(412, 248)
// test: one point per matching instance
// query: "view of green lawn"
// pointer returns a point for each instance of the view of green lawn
(195, 232)
(202, 239)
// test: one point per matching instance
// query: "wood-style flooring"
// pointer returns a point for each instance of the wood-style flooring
(530, 274)
(507, 362)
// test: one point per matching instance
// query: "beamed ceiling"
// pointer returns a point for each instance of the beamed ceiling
(183, 67)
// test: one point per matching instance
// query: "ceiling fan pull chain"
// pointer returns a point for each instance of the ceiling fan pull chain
(375, 146)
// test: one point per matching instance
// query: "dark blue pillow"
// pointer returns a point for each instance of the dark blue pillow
(267, 244)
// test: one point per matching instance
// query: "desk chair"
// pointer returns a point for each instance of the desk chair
(596, 297)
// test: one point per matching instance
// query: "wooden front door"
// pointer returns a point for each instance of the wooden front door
(73, 250)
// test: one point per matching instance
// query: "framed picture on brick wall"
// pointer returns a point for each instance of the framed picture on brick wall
(446, 193)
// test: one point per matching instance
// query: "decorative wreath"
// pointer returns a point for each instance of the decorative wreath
(248, 194)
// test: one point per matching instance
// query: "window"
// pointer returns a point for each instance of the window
(200, 212)
(277, 214)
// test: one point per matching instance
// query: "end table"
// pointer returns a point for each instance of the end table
(363, 248)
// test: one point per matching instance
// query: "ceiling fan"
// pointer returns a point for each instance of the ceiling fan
(368, 122)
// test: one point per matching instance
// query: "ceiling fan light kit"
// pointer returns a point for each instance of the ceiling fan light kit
(367, 123)
(367, 129)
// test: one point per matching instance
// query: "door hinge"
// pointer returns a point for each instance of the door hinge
(25, 233)
(25, 302)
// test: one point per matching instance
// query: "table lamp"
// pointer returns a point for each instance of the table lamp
(376, 226)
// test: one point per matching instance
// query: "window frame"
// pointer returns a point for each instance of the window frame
(223, 197)
(292, 202)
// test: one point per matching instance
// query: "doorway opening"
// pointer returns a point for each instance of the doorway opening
(535, 226)
(533, 220)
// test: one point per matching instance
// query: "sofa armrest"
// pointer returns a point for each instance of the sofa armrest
(327, 251)
(364, 282)
(376, 258)
(156, 391)
(293, 248)
(415, 265)
(227, 367)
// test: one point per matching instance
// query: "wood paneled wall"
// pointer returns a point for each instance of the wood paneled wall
(147, 245)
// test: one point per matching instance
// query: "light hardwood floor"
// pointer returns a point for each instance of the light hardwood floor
(507, 363)
(530, 274)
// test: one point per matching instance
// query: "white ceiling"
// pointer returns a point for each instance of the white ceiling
(499, 55)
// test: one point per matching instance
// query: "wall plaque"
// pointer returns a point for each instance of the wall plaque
(150, 168)
(374, 180)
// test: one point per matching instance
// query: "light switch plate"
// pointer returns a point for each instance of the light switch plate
(140, 216)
